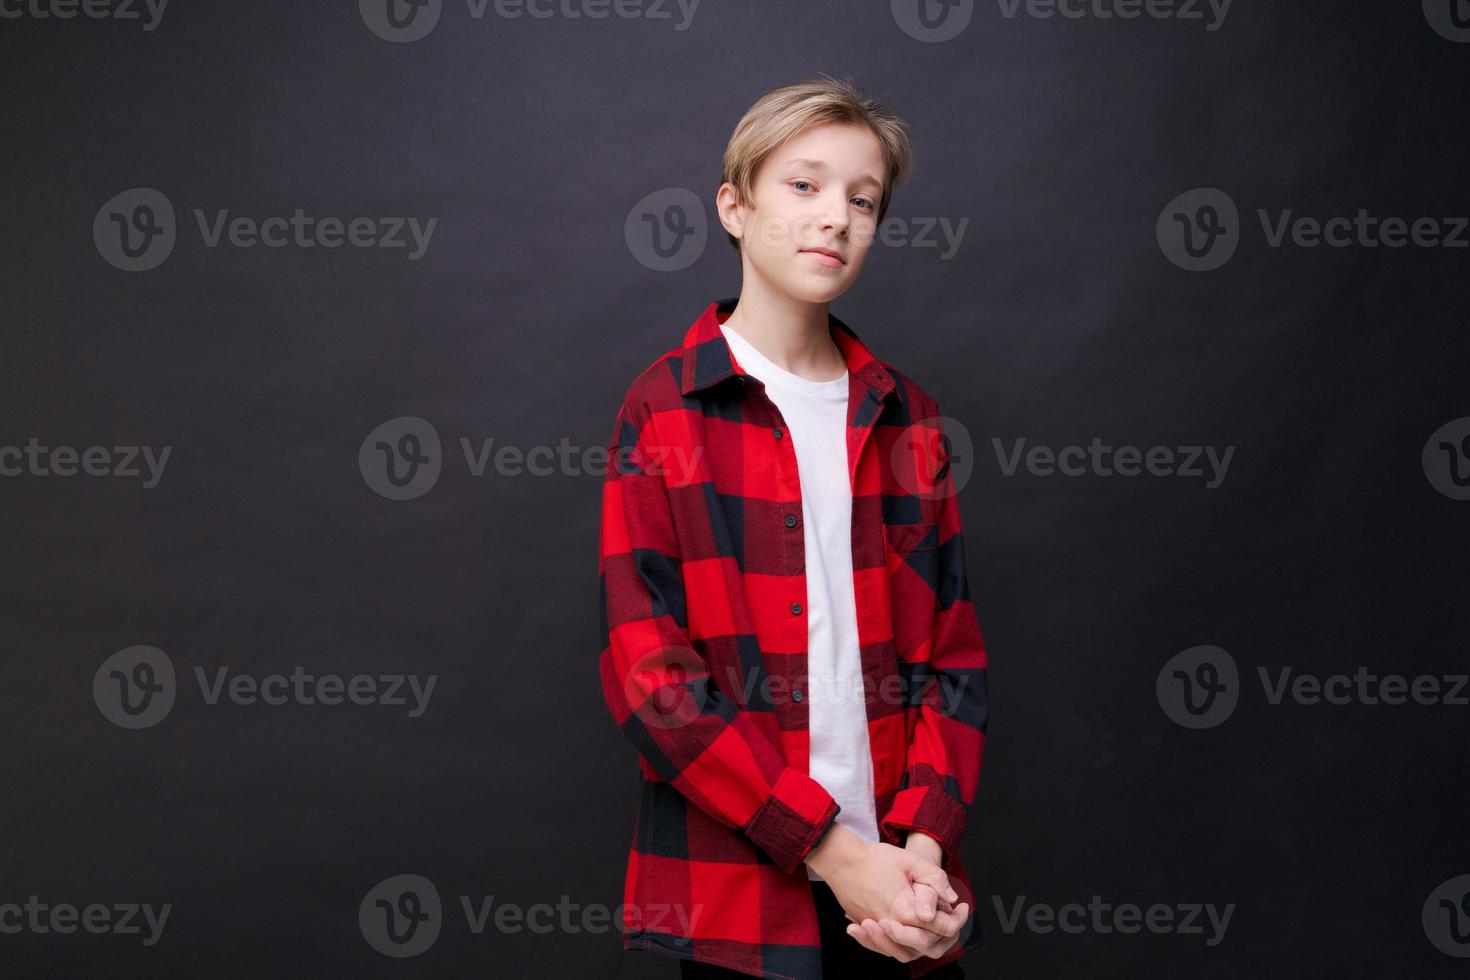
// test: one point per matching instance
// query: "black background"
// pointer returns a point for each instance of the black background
(1326, 548)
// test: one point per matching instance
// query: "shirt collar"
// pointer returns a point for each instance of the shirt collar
(707, 359)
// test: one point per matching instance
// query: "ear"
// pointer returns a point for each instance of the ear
(729, 209)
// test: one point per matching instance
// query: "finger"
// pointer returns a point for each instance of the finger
(904, 915)
(918, 894)
(856, 932)
(945, 921)
(941, 904)
(878, 939)
(915, 938)
(944, 924)
(863, 937)
(909, 905)
(925, 900)
(924, 943)
(950, 923)
(939, 881)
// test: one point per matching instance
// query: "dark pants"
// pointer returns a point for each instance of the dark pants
(843, 958)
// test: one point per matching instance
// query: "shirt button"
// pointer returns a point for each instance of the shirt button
(796, 695)
(776, 432)
(796, 609)
(791, 520)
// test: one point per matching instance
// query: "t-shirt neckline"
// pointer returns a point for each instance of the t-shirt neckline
(780, 376)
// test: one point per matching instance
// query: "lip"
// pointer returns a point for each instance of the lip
(826, 256)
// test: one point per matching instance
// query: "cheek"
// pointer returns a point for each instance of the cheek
(790, 230)
(772, 231)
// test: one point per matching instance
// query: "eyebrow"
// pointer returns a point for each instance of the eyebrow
(820, 166)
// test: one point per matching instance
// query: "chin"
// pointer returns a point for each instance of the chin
(816, 288)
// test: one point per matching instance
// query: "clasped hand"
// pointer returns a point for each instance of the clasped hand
(900, 902)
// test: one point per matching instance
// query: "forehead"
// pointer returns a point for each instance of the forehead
(843, 150)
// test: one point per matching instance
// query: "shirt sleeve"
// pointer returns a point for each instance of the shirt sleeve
(942, 768)
(657, 685)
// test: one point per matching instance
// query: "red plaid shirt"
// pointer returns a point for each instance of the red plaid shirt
(703, 604)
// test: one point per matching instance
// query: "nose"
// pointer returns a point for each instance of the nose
(833, 218)
(836, 215)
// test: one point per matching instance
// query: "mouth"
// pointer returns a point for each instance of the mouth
(825, 256)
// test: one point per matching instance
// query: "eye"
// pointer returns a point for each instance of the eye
(864, 201)
(798, 183)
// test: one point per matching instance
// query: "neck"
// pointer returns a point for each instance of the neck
(791, 334)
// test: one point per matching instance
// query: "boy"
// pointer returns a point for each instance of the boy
(789, 637)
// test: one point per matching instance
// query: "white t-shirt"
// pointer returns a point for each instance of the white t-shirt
(816, 418)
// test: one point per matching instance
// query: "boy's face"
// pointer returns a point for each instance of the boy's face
(817, 191)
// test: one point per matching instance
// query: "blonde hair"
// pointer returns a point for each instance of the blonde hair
(779, 115)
